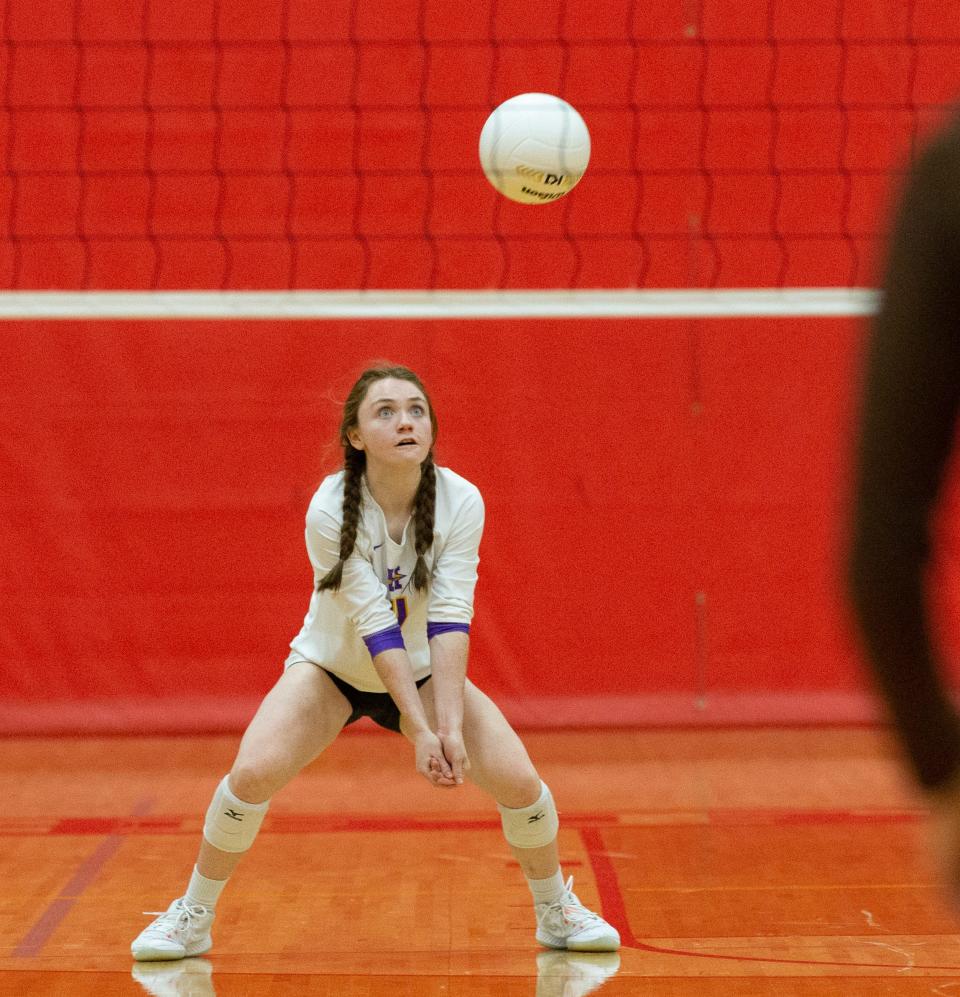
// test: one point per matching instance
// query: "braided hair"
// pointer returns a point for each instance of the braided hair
(424, 504)
(354, 464)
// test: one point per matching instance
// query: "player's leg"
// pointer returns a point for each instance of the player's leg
(500, 765)
(300, 716)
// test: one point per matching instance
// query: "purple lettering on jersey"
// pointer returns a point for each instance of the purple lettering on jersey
(395, 579)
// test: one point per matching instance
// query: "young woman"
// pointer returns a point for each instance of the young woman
(394, 541)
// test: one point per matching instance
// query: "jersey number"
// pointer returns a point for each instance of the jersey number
(399, 603)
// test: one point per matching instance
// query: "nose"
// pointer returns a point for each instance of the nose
(405, 422)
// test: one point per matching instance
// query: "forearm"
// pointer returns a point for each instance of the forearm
(393, 667)
(448, 664)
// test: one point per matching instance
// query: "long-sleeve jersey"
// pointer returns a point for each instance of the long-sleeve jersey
(376, 592)
(908, 424)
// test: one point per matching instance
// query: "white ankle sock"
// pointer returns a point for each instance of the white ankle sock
(203, 891)
(547, 891)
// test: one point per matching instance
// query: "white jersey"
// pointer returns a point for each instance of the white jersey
(377, 592)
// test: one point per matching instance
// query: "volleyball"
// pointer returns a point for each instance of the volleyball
(534, 148)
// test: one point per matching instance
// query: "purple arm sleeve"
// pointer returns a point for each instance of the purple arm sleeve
(384, 640)
(443, 628)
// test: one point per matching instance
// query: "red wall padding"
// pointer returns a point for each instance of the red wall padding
(664, 512)
(275, 144)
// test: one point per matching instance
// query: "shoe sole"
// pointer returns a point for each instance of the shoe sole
(158, 955)
(595, 945)
(598, 946)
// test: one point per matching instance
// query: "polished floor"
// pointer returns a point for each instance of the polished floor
(734, 862)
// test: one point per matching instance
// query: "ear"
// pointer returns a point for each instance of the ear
(355, 441)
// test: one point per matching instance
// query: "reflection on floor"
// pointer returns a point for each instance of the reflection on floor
(559, 974)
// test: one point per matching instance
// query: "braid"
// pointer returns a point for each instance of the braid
(424, 507)
(354, 462)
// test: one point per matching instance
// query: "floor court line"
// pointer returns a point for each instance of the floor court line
(318, 823)
(662, 950)
(612, 905)
(34, 940)
(614, 910)
(611, 897)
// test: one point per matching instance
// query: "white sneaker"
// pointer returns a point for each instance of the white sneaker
(574, 974)
(567, 924)
(182, 930)
(188, 978)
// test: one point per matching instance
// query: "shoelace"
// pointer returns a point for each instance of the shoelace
(569, 904)
(170, 921)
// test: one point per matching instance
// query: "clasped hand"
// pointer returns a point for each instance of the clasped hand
(441, 758)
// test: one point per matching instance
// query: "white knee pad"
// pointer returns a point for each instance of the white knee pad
(533, 826)
(231, 824)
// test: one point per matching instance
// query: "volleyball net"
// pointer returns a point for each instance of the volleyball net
(292, 145)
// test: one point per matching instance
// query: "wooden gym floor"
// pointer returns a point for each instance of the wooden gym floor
(734, 862)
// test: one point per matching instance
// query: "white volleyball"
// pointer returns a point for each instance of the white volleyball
(534, 148)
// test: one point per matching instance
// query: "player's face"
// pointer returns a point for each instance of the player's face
(393, 424)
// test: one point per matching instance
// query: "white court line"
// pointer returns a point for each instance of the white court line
(819, 302)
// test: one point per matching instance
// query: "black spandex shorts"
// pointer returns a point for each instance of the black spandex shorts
(378, 706)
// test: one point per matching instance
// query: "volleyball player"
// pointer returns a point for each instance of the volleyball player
(907, 434)
(393, 540)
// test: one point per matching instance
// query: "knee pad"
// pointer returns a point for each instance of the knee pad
(533, 826)
(231, 824)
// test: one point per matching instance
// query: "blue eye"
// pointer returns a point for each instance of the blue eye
(385, 411)
(417, 410)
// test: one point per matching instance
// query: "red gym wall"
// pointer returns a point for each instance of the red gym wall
(665, 498)
(156, 476)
